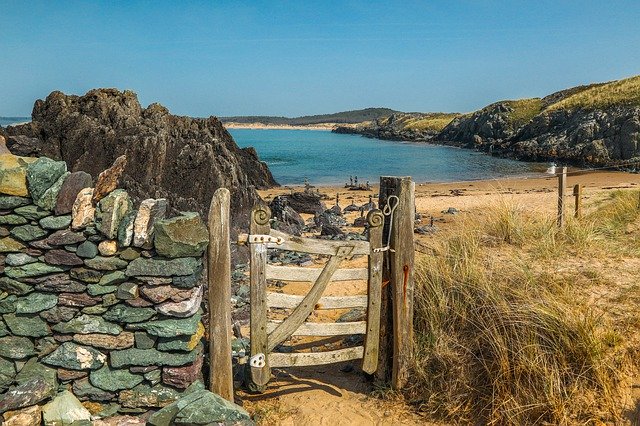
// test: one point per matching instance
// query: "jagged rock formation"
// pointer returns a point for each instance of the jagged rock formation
(400, 126)
(182, 159)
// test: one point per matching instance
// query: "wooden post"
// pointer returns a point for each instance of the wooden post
(577, 192)
(399, 271)
(260, 217)
(562, 185)
(219, 279)
(372, 342)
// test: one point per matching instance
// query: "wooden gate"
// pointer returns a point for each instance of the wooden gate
(267, 334)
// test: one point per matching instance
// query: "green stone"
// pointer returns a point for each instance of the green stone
(46, 345)
(146, 357)
(94, 310)
(144, 341)
(113, 380)
(113, 278)
(108, 410)
(31, 270)
(87, 250)
(99, 290)
(9, 245)
(36, 302)
(180, 343)
(163, 268)
(13, 286)
(87, 324)
(127, 291)
(8, 304)
(7, 373)
(56, 222)
(29, 326)
(19, 259)
(42, 174)
(75, 357)
(129, 314)
(12, 219)
(65, 409)
(188, 281)
(154, 376)
(50, 197)
(109, 300)
(28, 233)
(33, 369)
(32, 212)
(86, 275)
(110, 212)
(125, 229)
(147, 396)
(9, 202)
(181, 236)
(129, 254)
(4, 331)
(84, 389)
(15, 347)
(106, 263)
(171, 327)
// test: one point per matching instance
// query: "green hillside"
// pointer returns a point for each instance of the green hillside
(355, 116)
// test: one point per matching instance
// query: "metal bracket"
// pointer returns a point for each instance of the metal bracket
(383, 249)
(264, 239)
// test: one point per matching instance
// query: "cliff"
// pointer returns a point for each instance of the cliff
(182, 159)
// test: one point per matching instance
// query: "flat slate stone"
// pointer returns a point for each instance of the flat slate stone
(181, 236)
(58, 314)
(65, 237)
(33, 369)
(14, 287)
(106, 263)
(75, 357)
(8, 304)
(9, 202)
(24, 416)
(113, 278)
(111, 379)
(123, 340)
(129, 254)
(146, 357)
(127, 291)
(84, 390)
(13, 171)
(62, 257)
(87, 250)
(171, 327)
(16, 347)
(25, 325)
(74, 183)
(128, 314)
(32, 212)
(7, 374)
(12, 219)
(87, 324)
(26, 394)
(147, 396)
(9, 245)
(125, 229)
(31, 270)
(36, 302)
(181, 343)
(86, 275)
(144, 340)
(163, 268)
(182, 377)
(55, 222)
(77, 299)
(48, 200)
(28, 233)
(58, 283)
(189, 281)
(99, 290)
(19, 259)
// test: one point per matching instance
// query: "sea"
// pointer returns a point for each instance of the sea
(325, 158)
(6, 121)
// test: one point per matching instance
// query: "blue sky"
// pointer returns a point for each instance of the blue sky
(297, 57)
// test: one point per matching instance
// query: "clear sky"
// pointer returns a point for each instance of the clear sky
(301, 57)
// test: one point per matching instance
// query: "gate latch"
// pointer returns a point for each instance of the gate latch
(259, 239)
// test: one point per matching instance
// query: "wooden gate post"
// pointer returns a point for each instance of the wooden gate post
(577, 192)
(562, 186)
(219, 296)
(396, 331)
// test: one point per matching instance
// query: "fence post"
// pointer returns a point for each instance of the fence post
(562, 184)
(219, 296)
(577, 192)
(396, 331)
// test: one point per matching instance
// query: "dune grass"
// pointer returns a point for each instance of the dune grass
(436, 122)
(523, 111)
(502, 337)
(620, 92)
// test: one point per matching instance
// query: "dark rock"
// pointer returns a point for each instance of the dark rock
(58, 314)
(57, 283)
(106, 263)
(26, 394)
(77, 299)
(86, 275)
(199, 155)
(65, 237)
(14, 287)
(87, 250)
(110, 212)
(32, 212)
(12, 202)
(70, 188)
(15, 347)
(303, 202)
(84, 390)
(18, 259)
(24, 145)
(170, 327)
(8, 304)
(146, 357)
(42, 175)
(182, 377)
(28, 233)
(62, 257)
(144, 340)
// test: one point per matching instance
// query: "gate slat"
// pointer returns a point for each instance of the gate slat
(314, 358)
(316, 246)
(297, 273)
(372, 339)
(324, 329)
(288, 301)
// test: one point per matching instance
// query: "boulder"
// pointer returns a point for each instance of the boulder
(304, 202)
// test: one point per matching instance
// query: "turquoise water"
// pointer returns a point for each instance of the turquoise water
(327, 158)
(5, 121)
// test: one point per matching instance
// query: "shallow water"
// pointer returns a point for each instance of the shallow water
(327, 158)
(6, 121)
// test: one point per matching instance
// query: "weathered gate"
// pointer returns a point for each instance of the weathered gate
(267, 334)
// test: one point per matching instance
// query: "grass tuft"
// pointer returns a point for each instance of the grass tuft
(620, 92)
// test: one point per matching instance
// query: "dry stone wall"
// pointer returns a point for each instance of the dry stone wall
(97, 298)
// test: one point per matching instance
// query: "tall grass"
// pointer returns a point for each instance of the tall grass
(620, 92)
(502, 340)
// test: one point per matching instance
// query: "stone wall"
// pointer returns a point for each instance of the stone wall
(97, 299)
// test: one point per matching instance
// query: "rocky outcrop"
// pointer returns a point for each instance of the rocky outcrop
(182, 159)
(396, 127)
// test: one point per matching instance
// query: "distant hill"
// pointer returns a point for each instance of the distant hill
(345, 117)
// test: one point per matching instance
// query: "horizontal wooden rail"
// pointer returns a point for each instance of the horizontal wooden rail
(324, 329)
(314, 358)
(316, 246)
(297, 273)
(289, 301)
